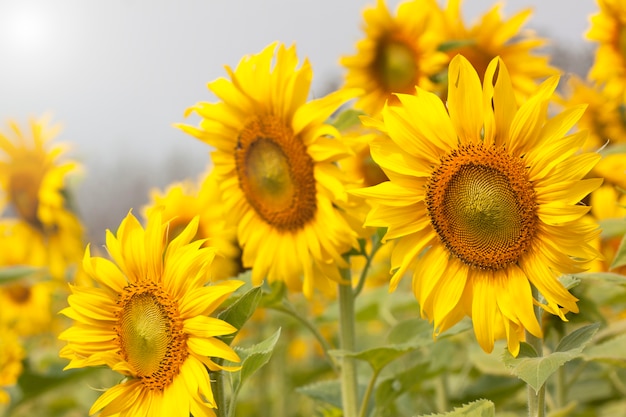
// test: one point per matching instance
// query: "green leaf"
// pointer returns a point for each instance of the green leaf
(378, 357)
(612, 351)
(570, 281)
(347, 119)
(240, 311)
(13, 273)
(411, 379)
(578, 339)
(273, 294)
(480, 408)
(414, 332)
(620, 256)
(253, 358)
(612, 228)
(608, 277)
(536, 370)
(328, 392)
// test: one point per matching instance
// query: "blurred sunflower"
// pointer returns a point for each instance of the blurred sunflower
(609, 203)
(34, 185)
(148, 320)
(608, 29)
(483, 201)
(26, 306)
(11, 355)
(398, 53)
(494, 37)
(604, 117)
(183, 201)
(275, 163)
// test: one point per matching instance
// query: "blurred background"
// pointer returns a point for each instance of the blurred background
(118, 74)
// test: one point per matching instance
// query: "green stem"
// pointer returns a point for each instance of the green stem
(441, 384)
(536, 400)
(347, 342)
(291, 311)
(376, 244)
(219, 392)
(368, 393)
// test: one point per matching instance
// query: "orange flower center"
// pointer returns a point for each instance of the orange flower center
(482, 205)
(18, 293)
(276, 173)
(150, 334)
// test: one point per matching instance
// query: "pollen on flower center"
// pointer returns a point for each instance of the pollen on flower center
(482, 206)
(276, 173)
(150, 334)
(396, 66)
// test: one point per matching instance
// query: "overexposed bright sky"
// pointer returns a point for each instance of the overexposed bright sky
(118, 73)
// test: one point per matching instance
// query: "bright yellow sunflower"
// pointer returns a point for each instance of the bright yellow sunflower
(275, 163)
(183, 201)
(149, 320)
(608, 29)
(11, 355)
(492, 37)
(398, 53)
(604, 117)
(483, 200)
(33, 182)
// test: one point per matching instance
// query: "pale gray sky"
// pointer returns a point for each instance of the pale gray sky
(118, 73)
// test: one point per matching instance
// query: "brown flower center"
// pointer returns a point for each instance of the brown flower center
(276, 173)
(150, 334)
(482, 205)
(396, 66)
(18, 293)
(24, 184)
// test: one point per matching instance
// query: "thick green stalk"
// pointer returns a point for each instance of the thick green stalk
(536, 400)
(218, 386)
(347, 342)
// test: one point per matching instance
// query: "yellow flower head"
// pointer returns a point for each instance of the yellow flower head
(609, 201)
(33, 182)
(275, 163)
(26, 306)
(149, 320)
(483, 200)
(603, 118)
(398, 53)
(494, 37)
(608, 29)
(11, 355)
(183, 201)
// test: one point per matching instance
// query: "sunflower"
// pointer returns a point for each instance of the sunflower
(34, 185)
(11, 355)
(148, 320)
(398, 53)
(604, 117)
(494, 37)
(483, 202)
(26, 306)
(275, 163)
(182, 201)
(608, 29)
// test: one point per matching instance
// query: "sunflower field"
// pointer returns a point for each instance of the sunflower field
(441, 235)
